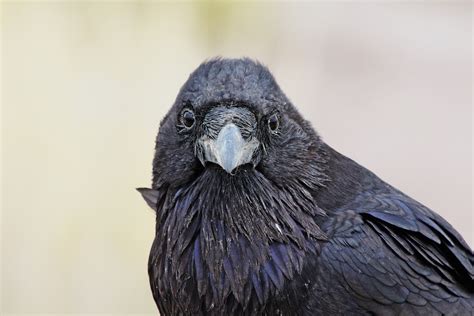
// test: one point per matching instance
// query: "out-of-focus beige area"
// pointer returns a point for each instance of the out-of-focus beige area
(86, 84)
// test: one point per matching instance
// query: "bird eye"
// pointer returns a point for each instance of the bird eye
(273, 122)
(187, 118)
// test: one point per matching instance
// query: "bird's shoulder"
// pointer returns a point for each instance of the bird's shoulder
(392, 252)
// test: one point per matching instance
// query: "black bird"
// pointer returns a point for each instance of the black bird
(255, 214)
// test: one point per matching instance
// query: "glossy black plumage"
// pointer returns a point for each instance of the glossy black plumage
(300, 230)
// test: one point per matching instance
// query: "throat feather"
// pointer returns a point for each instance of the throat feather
(234, 238)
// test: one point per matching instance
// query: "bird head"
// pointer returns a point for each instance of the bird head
(232, 115)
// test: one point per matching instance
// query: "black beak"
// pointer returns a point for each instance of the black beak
(230, 149)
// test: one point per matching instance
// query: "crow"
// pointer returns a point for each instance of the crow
(257, 215)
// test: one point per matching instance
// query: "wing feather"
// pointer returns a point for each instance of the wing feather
(392, 251)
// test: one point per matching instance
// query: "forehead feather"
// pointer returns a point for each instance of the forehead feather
(241, 80)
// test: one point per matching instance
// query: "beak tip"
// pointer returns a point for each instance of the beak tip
(229, 170)
(228, 163)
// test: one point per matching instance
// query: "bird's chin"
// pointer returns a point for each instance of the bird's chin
(214, 167)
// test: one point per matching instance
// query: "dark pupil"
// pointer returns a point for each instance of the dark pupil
(188, 118)
(273, 122)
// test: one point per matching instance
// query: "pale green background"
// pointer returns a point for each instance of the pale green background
(86, 84)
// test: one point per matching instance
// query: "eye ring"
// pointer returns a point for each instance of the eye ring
(187, 118)
(273, 122)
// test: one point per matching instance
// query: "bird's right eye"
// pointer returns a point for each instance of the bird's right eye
(188, 118)
(273, 122)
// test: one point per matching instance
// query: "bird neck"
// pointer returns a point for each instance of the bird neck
(347, 179)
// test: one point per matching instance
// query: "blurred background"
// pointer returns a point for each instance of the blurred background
(85, 85)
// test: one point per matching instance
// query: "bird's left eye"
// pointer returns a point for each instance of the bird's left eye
(187, 118)
(273, 122)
